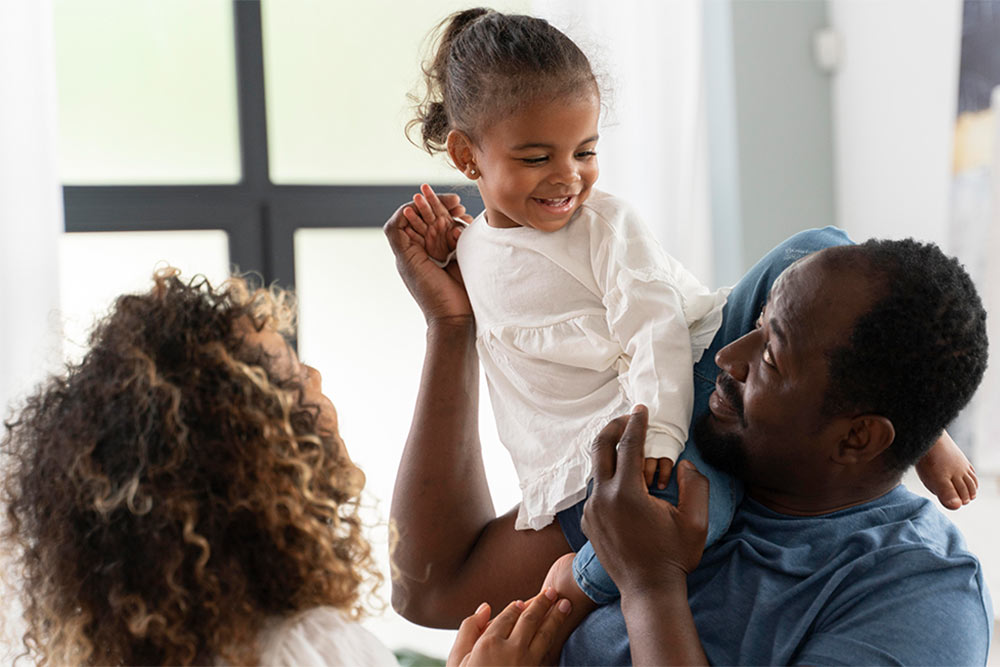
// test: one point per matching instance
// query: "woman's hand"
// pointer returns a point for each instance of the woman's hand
(439, 293)
(520, 635)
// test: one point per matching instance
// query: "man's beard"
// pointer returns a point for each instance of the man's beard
(725, 451)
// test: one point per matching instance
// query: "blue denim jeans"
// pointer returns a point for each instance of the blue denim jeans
(739, 316)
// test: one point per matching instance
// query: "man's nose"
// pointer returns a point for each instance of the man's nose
(735, 357)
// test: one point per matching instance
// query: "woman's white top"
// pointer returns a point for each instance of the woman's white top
(573, 328)
(322, 636)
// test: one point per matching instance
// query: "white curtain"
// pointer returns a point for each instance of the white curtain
(653, 149)
(31, 216)
(987, 427)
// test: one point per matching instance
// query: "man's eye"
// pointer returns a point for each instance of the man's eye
(768, 357)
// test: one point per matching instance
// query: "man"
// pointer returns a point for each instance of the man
(860, 358)
(455, 552)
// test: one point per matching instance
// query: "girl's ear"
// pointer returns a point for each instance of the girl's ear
(461, 153)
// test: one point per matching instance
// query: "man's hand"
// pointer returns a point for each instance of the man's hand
(439, 293)
(640, 539)
(647, 545)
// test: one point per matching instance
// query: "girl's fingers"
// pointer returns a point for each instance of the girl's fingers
(440, 210)
(648, 470)
(666, 465)
(414, 217)
(424, 208)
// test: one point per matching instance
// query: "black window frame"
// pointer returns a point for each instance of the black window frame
(258, 216)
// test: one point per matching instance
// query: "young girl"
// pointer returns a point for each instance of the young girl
(579, 312)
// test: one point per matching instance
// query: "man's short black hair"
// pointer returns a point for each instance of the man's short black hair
(918, 355)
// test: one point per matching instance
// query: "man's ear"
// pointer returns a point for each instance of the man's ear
(868, 436)
(462, 156)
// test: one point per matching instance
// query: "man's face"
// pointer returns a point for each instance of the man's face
(765, 422)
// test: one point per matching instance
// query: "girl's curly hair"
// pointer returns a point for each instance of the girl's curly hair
(171, 492)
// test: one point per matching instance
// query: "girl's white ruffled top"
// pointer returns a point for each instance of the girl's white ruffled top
(575, 327)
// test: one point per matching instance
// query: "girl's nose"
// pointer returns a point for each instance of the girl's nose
(566, 172)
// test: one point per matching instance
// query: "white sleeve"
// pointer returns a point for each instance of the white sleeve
(322, 637)
(644, 296)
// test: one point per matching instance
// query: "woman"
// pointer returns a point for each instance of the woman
(182, 496)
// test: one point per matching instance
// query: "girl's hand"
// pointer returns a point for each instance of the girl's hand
(438, 292)
(433, 224)
(519, 635)
(649, 467)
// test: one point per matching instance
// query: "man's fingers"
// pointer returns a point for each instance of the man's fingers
(692, 496)
(630, 459)
(602, 452)
(449, 199)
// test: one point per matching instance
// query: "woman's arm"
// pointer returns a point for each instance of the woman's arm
(452, 551)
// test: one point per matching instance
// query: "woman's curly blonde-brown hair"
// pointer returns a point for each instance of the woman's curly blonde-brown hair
(171, 492)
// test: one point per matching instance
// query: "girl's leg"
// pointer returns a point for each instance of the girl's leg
(739, 316)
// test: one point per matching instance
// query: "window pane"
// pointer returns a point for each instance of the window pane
(147, 92)
(95, 268)
(337, 75)
(361, 329)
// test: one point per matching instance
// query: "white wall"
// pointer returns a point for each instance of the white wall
(653, 148)
(894, 102)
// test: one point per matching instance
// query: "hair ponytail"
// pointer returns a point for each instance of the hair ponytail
(432, 114)
(485, 65)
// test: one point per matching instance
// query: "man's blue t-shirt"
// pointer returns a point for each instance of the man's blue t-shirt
(887, 582)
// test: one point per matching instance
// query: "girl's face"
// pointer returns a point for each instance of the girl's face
(537, 166)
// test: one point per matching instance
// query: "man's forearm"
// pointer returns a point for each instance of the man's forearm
(661, 629)
(452, 551)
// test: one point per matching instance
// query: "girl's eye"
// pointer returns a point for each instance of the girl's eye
(534, 160)
(583, 155)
